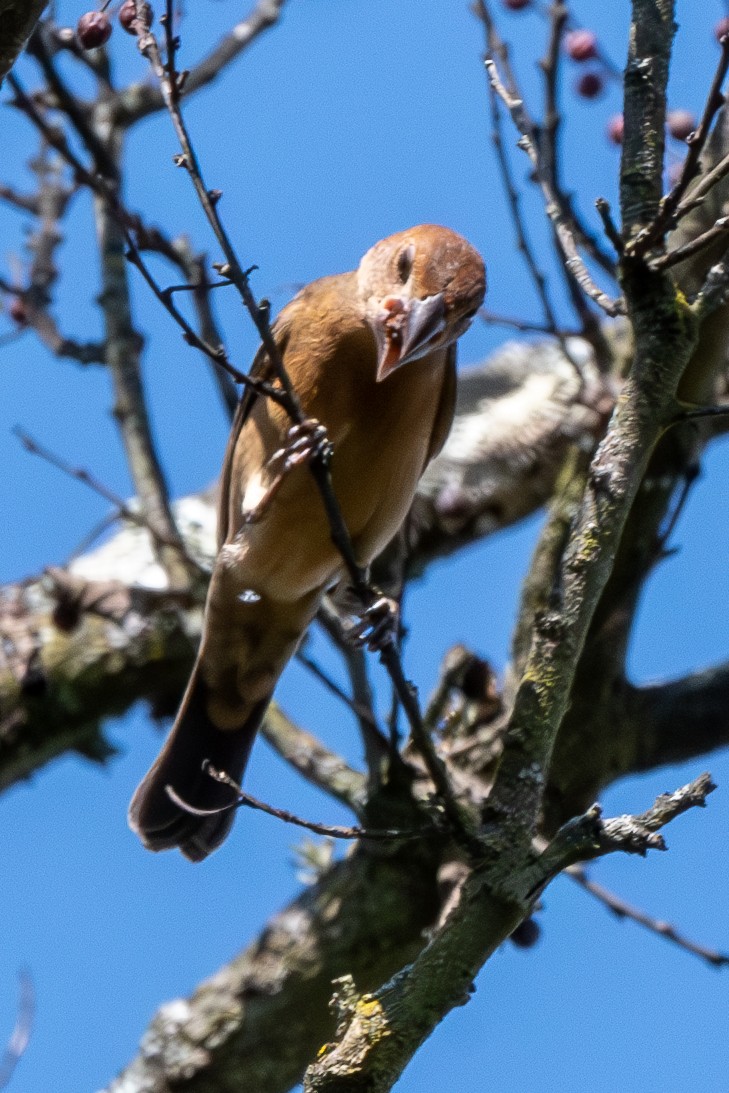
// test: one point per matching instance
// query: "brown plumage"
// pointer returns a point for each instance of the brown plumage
(371, 355)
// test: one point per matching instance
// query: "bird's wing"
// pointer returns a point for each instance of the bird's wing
(446, 407)
(259, 369)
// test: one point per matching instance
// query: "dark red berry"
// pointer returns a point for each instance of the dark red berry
(17, 311)
(127, 15)
(615, 129)
(93, 30)
(681, 123)
(590, 85)
(516, 5)
(721, 28)
(581, 45)
(526, 934)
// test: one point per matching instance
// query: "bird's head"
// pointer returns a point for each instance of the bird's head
(421, 289)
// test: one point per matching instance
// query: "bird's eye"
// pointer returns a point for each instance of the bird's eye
(405, 261)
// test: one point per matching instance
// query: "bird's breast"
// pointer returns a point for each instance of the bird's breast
(381, 435)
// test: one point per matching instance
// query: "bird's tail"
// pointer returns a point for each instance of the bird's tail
(160, 822)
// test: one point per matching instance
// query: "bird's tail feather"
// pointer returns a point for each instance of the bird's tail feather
(161, 823)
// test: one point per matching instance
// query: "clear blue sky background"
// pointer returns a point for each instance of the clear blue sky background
(352, 119)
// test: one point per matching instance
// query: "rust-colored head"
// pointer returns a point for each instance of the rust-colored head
(420, 288)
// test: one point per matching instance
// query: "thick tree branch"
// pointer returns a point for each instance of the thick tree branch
(284, 979)
(668, 723)
(379, 1032)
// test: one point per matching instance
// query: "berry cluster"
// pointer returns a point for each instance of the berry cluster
(581, 46)
(94, 27)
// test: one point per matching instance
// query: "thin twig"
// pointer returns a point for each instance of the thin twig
(121, 339)
(672, 208)
(546, 143)
(244, 800)
(492, 318)
(25, 202)
(217, 355)
(374, 741)
(360, 711)
(310, 758)
(197, 274)
(562, 229)
(702, 188)
(139, 100)
(494, 45)
(625, 910)
(124, 218)
(673, 257)
(80, 474)
(69, 104)
(611, 231)
(548, 139)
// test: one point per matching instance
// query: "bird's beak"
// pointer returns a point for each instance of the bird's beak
(404, 330)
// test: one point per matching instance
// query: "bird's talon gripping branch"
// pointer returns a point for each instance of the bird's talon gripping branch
(378, 625)
(304, 442)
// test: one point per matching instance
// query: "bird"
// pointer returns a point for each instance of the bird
(371, 355)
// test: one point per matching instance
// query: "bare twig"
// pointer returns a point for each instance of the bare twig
(374, 741)
(361, 711)
(71, 107)
(217, 355)
(546, 144)
(697, 195)
(38, 319)
(549, 131)
(611, 231)
(673, 257)
(524, 325)
(122, 345)
(80, 474)
(589, 836)
(672, 207)
(562, 228)
(318, 764)
(139, 100)
(25, 202)
(621, 909)
(244, 800)
(495, 45)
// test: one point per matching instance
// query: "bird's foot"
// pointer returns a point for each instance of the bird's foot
(378, 625)
(304, 442)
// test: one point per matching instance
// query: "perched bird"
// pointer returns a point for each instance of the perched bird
(371, 355)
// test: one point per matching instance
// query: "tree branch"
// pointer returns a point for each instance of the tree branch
(378, 1033)
(139, 100)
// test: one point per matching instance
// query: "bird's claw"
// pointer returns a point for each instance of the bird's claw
(304, 442)
(378, 625)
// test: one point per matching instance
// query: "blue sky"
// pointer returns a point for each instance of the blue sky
(352, 119)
